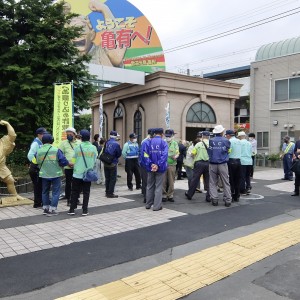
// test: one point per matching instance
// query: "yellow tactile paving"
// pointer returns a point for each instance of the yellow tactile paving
(181, 277)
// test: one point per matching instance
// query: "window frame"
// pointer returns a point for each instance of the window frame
(260, 143)
(191, 120)
(288, 90)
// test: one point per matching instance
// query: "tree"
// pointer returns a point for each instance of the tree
(83, 122)
(36, 51)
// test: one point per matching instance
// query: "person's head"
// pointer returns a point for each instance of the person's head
(205, 135)
(85, 135)
(229, 134)
(133, 137)
(150, 132)
(169, 134)
(71, 133)
(218, 130)
(241, 135)
(84, 42)
(286, 139)
(78, 137)
(47, 138)
(251, 136)
(96, 137)
(40, 132)
(102, 141)
(114, 135)
(158, 131)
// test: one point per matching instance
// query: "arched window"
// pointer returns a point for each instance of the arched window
(200, 113)
(138, 125)
(118, 113)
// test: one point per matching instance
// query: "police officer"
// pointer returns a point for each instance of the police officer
(287, 157)
(130, 153)
(218, 157)
(169, 179)
(113, 148)
(234, 164)
(34, 169)
(201, 166)
(156, 155)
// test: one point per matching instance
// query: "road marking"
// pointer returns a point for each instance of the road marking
(183, 276)
(35, 237)
(256, 197)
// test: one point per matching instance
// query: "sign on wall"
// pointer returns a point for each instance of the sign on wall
(116, 34)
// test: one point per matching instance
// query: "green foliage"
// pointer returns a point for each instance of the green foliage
(36, 50)
(83, 122)
(274, 157)
(18, 158)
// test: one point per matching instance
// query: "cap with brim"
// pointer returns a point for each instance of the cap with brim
(241, 133)
(158, 131)
(114, 133)
(205, 133)
(71, 129)
(85, 134)
(41, 130)
(132, 135)
(229, 132)
(169, 132)
(47, 138)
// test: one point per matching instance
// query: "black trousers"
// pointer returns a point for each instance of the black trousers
(179, 169)
(253, 166)
(110, 179)
(245, 183)
(68, 186)
(297, 183)
(234, 170)
(37, 187)
(144, 176)
(201, 167)
(79, 186)
(132, 166)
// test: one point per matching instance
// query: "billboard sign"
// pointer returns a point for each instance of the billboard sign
(116, 34)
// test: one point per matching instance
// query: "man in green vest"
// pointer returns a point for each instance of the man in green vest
(67, 147)
(169, 178)
(50, 161)
(85, 156)
(287, 157)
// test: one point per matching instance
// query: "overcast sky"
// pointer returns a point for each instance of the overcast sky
(181, 22)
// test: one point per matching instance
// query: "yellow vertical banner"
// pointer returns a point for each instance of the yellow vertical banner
(63, 111)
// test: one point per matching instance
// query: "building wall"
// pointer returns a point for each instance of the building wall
(160, 89)
(265, 112)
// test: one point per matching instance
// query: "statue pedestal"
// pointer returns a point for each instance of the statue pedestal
(13, 201)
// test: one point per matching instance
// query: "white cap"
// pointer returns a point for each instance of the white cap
(218, 129)
(71, 129)
(241, 133)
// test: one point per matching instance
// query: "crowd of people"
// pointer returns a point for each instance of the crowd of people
(223, 158)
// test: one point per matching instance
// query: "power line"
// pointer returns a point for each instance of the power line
(241, 51)
(233, 19)
(235, 30)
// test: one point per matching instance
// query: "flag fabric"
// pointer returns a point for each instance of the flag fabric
(63, 111)
(101, 116)
(167, 118)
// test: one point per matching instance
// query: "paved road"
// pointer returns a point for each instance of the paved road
(47, 258)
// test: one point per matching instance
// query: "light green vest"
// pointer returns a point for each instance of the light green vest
(50, 167)
(90, 154)
(173, 150)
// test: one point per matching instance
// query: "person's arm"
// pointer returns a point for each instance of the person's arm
(62, 161)
(33, 150)
(10, 131)
(124, 151)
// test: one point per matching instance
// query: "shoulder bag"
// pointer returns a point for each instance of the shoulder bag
(106, 157)
(89, 175)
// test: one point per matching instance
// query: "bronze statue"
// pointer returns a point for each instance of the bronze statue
(7, 144)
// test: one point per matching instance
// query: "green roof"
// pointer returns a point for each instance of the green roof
(278, 49)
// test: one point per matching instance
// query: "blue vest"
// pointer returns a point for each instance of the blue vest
(218, 150)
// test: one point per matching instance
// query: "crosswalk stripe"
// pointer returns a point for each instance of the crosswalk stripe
(181, 277)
